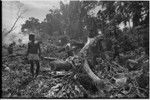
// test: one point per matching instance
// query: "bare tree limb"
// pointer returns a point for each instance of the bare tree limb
(12, 28)
(19, 15)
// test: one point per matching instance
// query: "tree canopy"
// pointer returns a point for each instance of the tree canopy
(73, 19)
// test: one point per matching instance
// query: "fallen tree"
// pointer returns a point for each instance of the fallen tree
(69, 63)
(86, 66)
(113, 82)
(60, 64)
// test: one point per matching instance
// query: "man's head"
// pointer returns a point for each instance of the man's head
(31, 37)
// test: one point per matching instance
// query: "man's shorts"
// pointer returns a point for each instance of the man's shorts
(33, 57)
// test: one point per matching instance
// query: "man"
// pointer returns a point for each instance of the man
(33, 54)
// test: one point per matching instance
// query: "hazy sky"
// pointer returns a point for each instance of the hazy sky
(37, 9)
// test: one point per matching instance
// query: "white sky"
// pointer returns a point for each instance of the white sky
(36, 8)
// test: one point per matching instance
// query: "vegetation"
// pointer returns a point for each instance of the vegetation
(122, 69)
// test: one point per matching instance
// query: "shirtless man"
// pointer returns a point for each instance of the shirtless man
(33, 54)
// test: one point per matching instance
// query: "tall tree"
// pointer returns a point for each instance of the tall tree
(31, 25)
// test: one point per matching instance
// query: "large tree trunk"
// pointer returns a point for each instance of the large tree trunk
(86, 66)
(90, 72)
(59, 65)
(99, 82)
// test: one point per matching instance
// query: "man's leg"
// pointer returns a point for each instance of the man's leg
(38, 67)
(32, 67)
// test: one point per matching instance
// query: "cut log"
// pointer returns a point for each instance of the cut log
(60, 65)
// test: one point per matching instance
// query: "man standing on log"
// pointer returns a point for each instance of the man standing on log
(33, 54)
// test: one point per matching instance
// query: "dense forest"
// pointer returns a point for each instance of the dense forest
(110, 53)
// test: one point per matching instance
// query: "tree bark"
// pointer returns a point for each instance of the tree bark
(90, 41)
(58, 65)
(90, 72)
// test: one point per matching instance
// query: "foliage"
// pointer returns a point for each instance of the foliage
(119, 80)
(73, 19)
(125, 76)
(32, 24)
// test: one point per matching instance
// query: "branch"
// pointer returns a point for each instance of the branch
(19, 15)
(12, 28)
